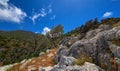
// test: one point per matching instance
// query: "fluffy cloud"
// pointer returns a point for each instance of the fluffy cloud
(9, 12)
(36, 16)
(107, 14)
(46, 30)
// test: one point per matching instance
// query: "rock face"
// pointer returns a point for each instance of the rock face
(61, 52)
(5, 68)
(67, 61)
(96, 47)
(68, 41)
(93, 33)
(116, 50)
(118, 62)
(86, 67)
(96, 44)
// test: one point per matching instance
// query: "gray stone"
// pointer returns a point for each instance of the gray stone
(96, 46)
(86, 67)
(118, 62)
(61, 52)
(41, 53)
(67, 61)
(68, 41)
(105, 27)
(58, 68)
(115, 50)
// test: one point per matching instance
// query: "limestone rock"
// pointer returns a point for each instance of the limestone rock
(61, 52)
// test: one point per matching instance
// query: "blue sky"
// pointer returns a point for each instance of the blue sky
(41, 15)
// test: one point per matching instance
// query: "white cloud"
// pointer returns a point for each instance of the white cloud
(107, 14)
(37, 32)
(36, 16)
(46, 30)
(9, 12)
(53, 17)
(4, 2)
(50, 10)
(44, 12)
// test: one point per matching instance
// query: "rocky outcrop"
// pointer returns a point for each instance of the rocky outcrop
(93, 33)
(118, 62)
(67, 61)
(68, 41)
(115, 50)
(46, 68)
(5, 68)
(86, 67)
(97, 44)
(61, 52)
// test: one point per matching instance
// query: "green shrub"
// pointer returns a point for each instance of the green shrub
(116, 42)
(116, 25)
(104, 66)
(84, 58)
(9, 70)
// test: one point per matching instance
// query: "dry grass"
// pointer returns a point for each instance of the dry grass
(84, 58)
(116, 25)
(45, 60)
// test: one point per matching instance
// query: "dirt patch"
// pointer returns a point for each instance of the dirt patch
(35, 64)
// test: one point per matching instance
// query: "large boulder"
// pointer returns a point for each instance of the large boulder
(115, 50)
(86, 67)
(93, 33)
(46, 68)
(61, 52)
(67, 61)
(68, 41)
(118, 62)
(111, 34)
(5, 68)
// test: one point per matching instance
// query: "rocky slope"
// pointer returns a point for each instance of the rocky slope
(95, 51)
(97, 45)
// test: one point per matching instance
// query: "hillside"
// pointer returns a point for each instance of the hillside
(18, 45)
(94, 46)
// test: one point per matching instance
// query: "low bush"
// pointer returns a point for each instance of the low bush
(83, 58)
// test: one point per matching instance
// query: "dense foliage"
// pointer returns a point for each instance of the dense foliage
(18, 45)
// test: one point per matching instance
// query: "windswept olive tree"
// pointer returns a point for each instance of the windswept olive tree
(55, 35)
